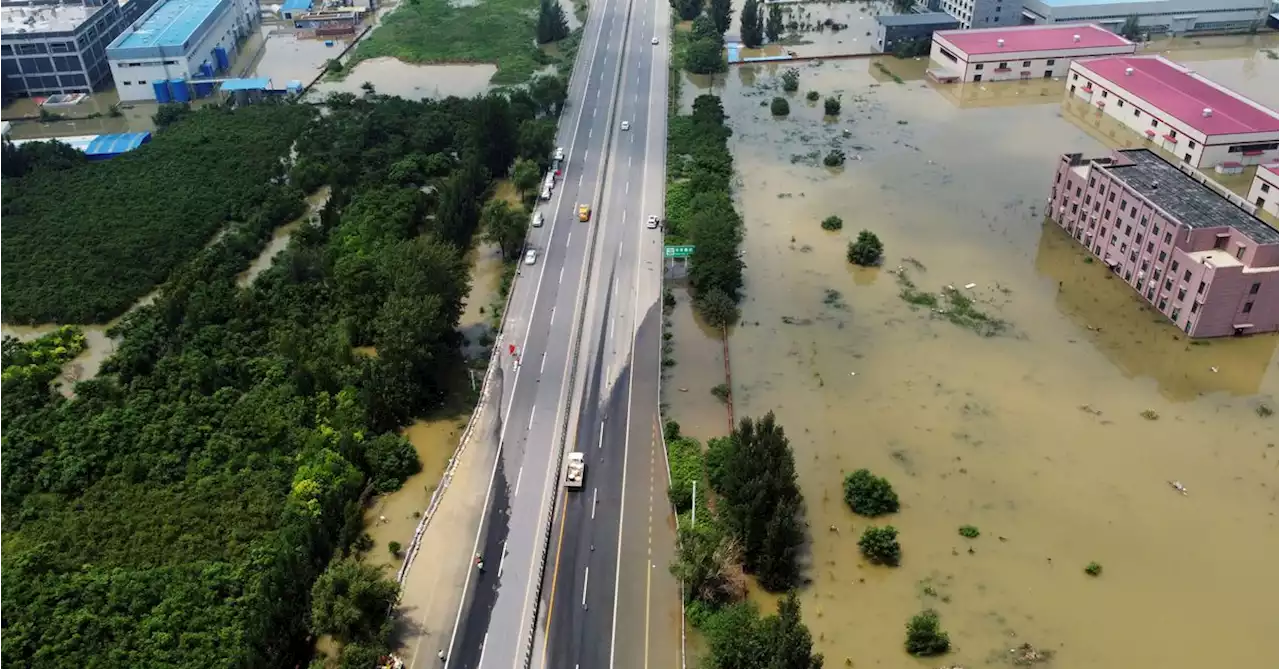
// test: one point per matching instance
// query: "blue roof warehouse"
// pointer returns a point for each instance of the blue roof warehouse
(165, 54)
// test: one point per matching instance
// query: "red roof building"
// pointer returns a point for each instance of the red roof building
(1023, 52)
(1200, 122)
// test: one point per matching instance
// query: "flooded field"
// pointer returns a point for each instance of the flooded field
(390, 76)
(288, 56)
(1057, 439)
(823, 28)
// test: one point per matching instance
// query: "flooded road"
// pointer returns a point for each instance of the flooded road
(1056, 439)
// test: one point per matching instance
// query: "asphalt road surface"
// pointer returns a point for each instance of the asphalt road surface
(495, 619)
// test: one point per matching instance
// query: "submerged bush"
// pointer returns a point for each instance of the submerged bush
(780, 107)
(869, 495)
(867, 250)
(832, 223)
(880, 545)
(924, 637)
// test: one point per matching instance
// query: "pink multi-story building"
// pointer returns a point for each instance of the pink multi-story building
(1205, 263)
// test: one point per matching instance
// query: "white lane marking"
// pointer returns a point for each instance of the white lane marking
(553, 309)
(601, 443)
(588, 137)
(566, 243)
(531, 414)
(580, 180)
(586, 578)
(627, 188)
(502, 559)
(543, 366)
(595, 495)
(598, 90)
(483, 645)
(612, 322)
(593, 111)
(628, 161)
(519, 475)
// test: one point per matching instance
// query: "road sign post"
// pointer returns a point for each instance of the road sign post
(672, 252)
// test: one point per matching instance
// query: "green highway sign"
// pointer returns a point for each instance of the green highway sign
(677, 251)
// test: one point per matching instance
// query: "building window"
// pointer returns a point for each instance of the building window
(1253, 290)
(1168, 284)
(1248, 306)
(1151, 246)
(1128, 229)
(1088, 199)
(1003, 66)
(1106, 216)
(1239, 252)
(1220, 242)
(1151, 294)
(1113, 239)
(1120, 104)
(978, 66)
(1162, 255)
(1132, 212)
(1164, 303)
(127, 83)
(1175, 313)
(1133, 257)
(1168, 237)
(1155, 123)
(1145, 265)
(1186, 276)
(1174, 268)
(142, 82)
(1137, 113)
(1144, 222)
(1191, 144)
(1026, 63)
(1182, 294)
(1195, 306)
(1058, 179)
(1128, 276)
(1075, 208)
(1092, 181)
(1266, 188)
(1078, 191)
(1124, 204)
(1112, 198)
(1049, 62)
(1173, 134)
(1104, 94)
(1073, 75)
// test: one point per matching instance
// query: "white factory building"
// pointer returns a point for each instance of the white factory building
(163, 55)
(1023, 52)
(1266, 186)
(1154, 16)
(1201, 123)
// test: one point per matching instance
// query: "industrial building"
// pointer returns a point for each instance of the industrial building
(976, 13)
(98, 147)
(177, 42)
(896, 31)
(1176, 17)
(1025, 52)
(1266, 185)
(1189, 248)
(50, 47)
(1203, 124)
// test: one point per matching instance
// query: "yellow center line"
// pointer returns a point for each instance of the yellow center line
(555, 576)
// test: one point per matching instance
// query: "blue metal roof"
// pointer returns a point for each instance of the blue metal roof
(110, 145)
(296, 5)
(169, 24)
(259, 84)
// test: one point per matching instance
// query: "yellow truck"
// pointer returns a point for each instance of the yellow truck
(584, 213)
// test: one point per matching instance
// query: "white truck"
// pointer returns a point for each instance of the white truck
(575, 470)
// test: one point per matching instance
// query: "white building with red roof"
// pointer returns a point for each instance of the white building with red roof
(1266, 186)
(1023, 52)
(1203, 124)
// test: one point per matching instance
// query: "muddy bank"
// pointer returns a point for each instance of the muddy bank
(1037, 437)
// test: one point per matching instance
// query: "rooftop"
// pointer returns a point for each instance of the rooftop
(259, 84)
(1185, 95)
(1191, 202)
(97, 145)
(1033, 38)
(169, 24)
(1078, 3)
(16, 19)
(925, 19)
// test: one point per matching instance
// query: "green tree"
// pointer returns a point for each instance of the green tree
(17, 161)
(834, 158)
(831, 106)
(869, 495)
(791, 80)
(788, 639)
(751, 25)
(880, 545)
(170, 113)
(394, 548)
(350, 600)
(708, 563)
(505, 227)
(780, 107)
(832, 223)
(866, 250)
(925, 637)
(903, 6)
(705, 56)
(549, 92)
(525, 175)
(717, 308)
(773, 24)
(1131, 30)
(721, 11)
(552, 24)
(687, 10)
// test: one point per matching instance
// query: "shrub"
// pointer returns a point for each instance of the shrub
(717, 308)
(923, 636)
(969, 532)
(721, 392)
(831, 106)
(866, 250)
(812, 96)
(394, 547)
(832, 223)
(791, 80)
(869, 495)
(780, 107)
(1093, 569)
(880, 545)
(685, 456)
(834, 158)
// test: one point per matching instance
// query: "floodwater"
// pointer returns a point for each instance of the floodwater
(280, 238)
(391, 76)
(1057, 439)
(287, 55)
(809, 27)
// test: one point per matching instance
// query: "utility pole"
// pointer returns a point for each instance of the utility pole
(695, 504)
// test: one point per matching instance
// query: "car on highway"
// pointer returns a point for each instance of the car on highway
(652, 222)
(626, 125)
(531, 256)
(537, 219)
(546, 193)
(559, 153)
(575, 470)
(654, 41)
(584, 213)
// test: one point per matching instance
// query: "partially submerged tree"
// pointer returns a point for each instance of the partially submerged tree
(866, 250)
(880, 545)
(869, 495)
(751, 23)
(925, 637)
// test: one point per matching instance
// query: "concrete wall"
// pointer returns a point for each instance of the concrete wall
(1188, 144)
(1153, 255)
(1154, 16)
(1263, 192)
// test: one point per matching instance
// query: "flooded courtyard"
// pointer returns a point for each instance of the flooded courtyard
(1057, 438)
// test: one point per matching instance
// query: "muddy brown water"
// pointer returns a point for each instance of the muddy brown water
(1037, 438)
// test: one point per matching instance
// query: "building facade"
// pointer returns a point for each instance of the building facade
(1266, 185)
(980, 13)
(1201, 260)
(52, 47)
(1203, 124)
(1154, 16)
(176, 41)
(895, 31)
(1030, 52)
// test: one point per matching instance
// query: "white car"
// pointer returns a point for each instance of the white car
(559, 153)
(537, 219)
(530, 256)
(654, 41)
(626, 125)
(652, 222)
(546, 193)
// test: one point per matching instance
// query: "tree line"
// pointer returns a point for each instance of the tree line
(755, 526)
(174, 510)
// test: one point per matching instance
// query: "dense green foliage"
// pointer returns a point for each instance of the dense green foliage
(866, 250)
(880, 545)
(869, 495)
(1093, 569)
(969, 532)
(552, 24)
(925, 637)
(739, 638)
(687, 10)
(751, 24)
(834, 158)
(700, 206)
(703, 47)
(16, 161)
(832, 223)
(169, 113)
(791, 80)
(178, 510)
(721, 12)
(82, 244)
(831, 106)
(1132, 29)
(780, 107)
(685, 457)
(505, 226)
(773, 23)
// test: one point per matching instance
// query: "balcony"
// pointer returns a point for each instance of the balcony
(1169, 138)
(1150, 133)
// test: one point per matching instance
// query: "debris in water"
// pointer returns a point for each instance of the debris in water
(970, 285)
(1026, 654)
(1214, 370)
(1177, 485)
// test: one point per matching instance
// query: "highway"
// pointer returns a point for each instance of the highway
(592, 284)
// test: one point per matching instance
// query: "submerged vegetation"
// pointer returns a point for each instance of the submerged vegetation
(178, 510)
(951, 304)
(925, 637)
(869, 495)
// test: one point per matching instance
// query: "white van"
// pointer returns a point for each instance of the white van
(546, 192)
(537, 219)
